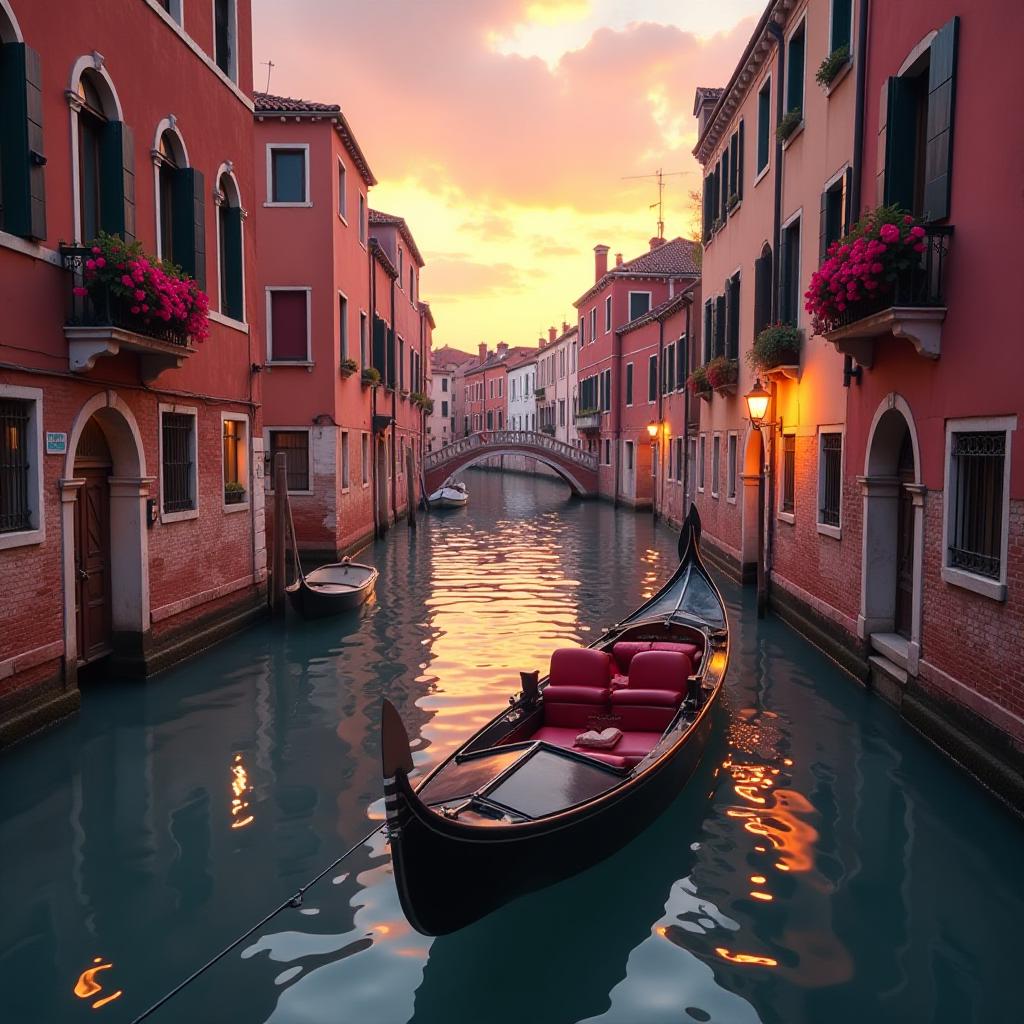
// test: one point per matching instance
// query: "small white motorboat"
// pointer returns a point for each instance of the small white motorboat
(450, 495)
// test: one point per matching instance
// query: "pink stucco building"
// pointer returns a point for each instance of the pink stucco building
(131, 525)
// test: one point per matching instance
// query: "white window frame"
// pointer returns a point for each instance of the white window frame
(826, 529)
(651, 399)
(346, 461)
(280, 428)
(343, 339)
(802, 22)
(36, 534)
(608, 315)
(245, 461)
(193, 411)
(308, 361)
(342, 191)
(732, 445)
(759, 174)
(702, 453)
(271, 146)
(786, 517)
(629, 303)
(364, 458)
(232, 72)
(716, 462)
(996, 590)
(364, 229)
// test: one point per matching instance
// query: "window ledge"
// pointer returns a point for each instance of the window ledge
(732, 209)
(795, 134)
(270, 206)
(307, 363)
(343, 219)
(179, 517)
(787, 517)
(228, 321)
(238, 506)
(21, 538)
(840, 75)
(836, 532)
(30, 248)
(991, 589)
(714, 494)
(732, 501)
(762, 173)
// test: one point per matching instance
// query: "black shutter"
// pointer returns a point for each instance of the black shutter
(720, 325)
(847, 202)
(823, 228)
(783, 281)
(231, 225)
(739, 164)
(390, 376)
(380, 334)
(117, 184)
(900, 132)
(21, 142)
(189, 225)
(938, 162)
(762, 293)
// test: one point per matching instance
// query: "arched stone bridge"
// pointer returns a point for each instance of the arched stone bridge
(575, 466)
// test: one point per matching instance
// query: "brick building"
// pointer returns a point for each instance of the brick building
(443, 421)
(127, 440)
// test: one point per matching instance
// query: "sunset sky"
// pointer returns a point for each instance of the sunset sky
(502, 129)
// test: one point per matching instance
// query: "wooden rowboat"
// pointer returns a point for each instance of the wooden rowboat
(449, 496)
(332, 589)
(525, 802)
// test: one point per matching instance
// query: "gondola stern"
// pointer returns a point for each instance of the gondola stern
(689, 532)
(396, 752)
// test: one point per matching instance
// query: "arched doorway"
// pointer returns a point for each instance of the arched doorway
(105, 549)
(893, 534)
(753, 467)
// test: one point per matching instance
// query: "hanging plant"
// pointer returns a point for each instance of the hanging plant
(698, 381)
(722, 372)
(777, 345)
(371, 376)
(349, 366)
(832, 65)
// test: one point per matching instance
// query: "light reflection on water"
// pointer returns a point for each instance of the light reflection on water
(823, 865)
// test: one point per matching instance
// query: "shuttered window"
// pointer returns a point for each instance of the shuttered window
(681, 362)
(708, 329)
(762, 290)
(22, 191)
(15, 501)
(764, 125)
(731, 467)
(732, 317)
(289, 337)
(652, 379)
(639, 303)
(788, 472)
(234, 451)
(287, 175)
(795, 70)
(178, 458)
(294, 445)
(836, 203)
(977, 474)
(224, 35)
(629, 383)
(229, 229)
(701, 461)
(720, 325)
(789, 280)
(842, 13)
(830, 481)
(716, 463)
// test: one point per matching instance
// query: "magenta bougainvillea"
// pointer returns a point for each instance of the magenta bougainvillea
(155, 292)
(863, 268)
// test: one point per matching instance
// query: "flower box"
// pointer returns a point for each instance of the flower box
(777, 345)
(348, 367)
(234, 494)
(830, 67)
(370, 377)
(722, 375)
(699, 384)
(789, 123)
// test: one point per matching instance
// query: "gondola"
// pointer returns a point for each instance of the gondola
(450, 495)
(527, 801)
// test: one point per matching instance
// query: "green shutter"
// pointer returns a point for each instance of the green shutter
(939, 133)
(117, 180)
(720, 325)
(380, 335)
(21, 142)
(840, 24)
(762, 292)
(390, 357)
(900, 132)
(795, 83)
(847, 202)
(231, 225)
(823, 228)
(189, 225)
(739, 163)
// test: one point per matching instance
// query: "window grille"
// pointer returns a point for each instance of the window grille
(15, 509)
(788, 472)
(831, 478)
(178, 430)
(294, 445)
(977, 510)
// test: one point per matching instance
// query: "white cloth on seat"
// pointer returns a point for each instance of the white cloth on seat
(604, 740)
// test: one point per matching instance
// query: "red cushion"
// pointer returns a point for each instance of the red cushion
(630, 750)
(575, 716)
(659, 670)
(692, 651)
(625, 649)
(648, 698)
(580, 666)
(632, 718)
(619, 681)
(576, 694)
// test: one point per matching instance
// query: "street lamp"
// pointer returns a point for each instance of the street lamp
(652, 431)
(758, 400)
(653, 428)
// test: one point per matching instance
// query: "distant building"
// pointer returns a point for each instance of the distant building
(443, 419)
(522, 382)
(556, 384)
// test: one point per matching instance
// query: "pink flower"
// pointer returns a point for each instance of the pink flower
(908, 219)
(919, 247)
(96, 250)
(126, 280)
(139, 294)
(889, 233)
(145, 308)
(79, 291)
(90, 264)
(100, 262)
(917, 231)
(877, 268)
(135, 310)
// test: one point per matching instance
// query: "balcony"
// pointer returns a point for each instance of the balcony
(101, 324)
(915, 310)
(588, 422)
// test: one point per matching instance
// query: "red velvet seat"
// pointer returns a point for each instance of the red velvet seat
(579, 684)
(632, 748)
(625, 650)
(657, 682)
(692, 651)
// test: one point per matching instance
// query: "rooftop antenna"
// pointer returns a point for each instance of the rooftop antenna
(269, 65)
(660, 176)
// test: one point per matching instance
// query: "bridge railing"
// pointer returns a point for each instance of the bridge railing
(486, 439)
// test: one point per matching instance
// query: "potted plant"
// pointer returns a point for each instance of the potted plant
(349, 366)
(777, 345)
(733, 202)
(234, 493)
(370, 376)
(832, 65)
(699, 384)
(863, 270)
(791, 120)
(722, 374)
(718, 224)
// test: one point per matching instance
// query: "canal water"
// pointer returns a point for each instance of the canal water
(824, 865)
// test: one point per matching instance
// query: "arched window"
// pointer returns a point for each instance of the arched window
(229, 239)
(763, 290)
(180, 203)
(22, 196)
(170, 159)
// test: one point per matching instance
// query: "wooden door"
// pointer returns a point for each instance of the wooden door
(905, 541)
(92, 565)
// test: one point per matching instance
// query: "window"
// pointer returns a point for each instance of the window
(629, 456)
(607, 314)
(789, 289)
(764, 124)
(294, 445)
(363, 339)
(830, 477)
(679, 458)
(23, 199)
(583, 331)
(835, 211)
(234, 456)
(362, 218)
(561, 412)
(762, 290)
(691, 455)
(21, 487)
(723, 209)
(730, 468)
(842, 15)
(639, 303)
(668, 369)
(976, 528)
(701, 462)
(229, 243)
(444, 383)
(716, 463)
(364, 459)
(344, 461)
(288, 170)
(401, 267)
(412, 284)
(709, 329)
(342, 190)
(593, 322)
(795, 70)
(288, 316)
(401, 364)
(788, 473)
(178, 461)
(444, 410)
(719, 325)
(652, 378)
(607, 452)
(681, 351)
(732, 317)
(629, 383)
(224, 35)
(342, 326)
(606, 379)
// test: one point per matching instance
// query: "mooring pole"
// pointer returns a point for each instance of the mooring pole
(410, 477)
(277, 594)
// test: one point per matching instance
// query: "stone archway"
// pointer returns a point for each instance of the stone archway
(893, 536)
(106, 421)
(753, 467)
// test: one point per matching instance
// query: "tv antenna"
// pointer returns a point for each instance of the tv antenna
(269, 65)
(659, 175)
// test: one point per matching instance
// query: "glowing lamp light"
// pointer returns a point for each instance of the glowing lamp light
(757, 400)
(652, 429)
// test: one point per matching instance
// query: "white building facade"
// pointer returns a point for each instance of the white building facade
(557, 376)
(522, 403)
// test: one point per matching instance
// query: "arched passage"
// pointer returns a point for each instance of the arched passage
(105, 546)
(753, 467)
(893, 534)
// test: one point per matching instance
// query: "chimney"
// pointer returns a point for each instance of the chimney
(618, 259)
(600, 261)
(552, 334)
(502, 349)
(656, 243)
(483, 351)
(565, 327)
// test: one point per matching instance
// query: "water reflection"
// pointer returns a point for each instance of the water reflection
(824, 864)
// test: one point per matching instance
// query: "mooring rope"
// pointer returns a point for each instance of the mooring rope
(293, 901)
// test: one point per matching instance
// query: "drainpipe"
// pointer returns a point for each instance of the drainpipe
(858, 114)
(656, 452)
(616, 413)
(686, 413)
(394, 409)
(374, 461)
